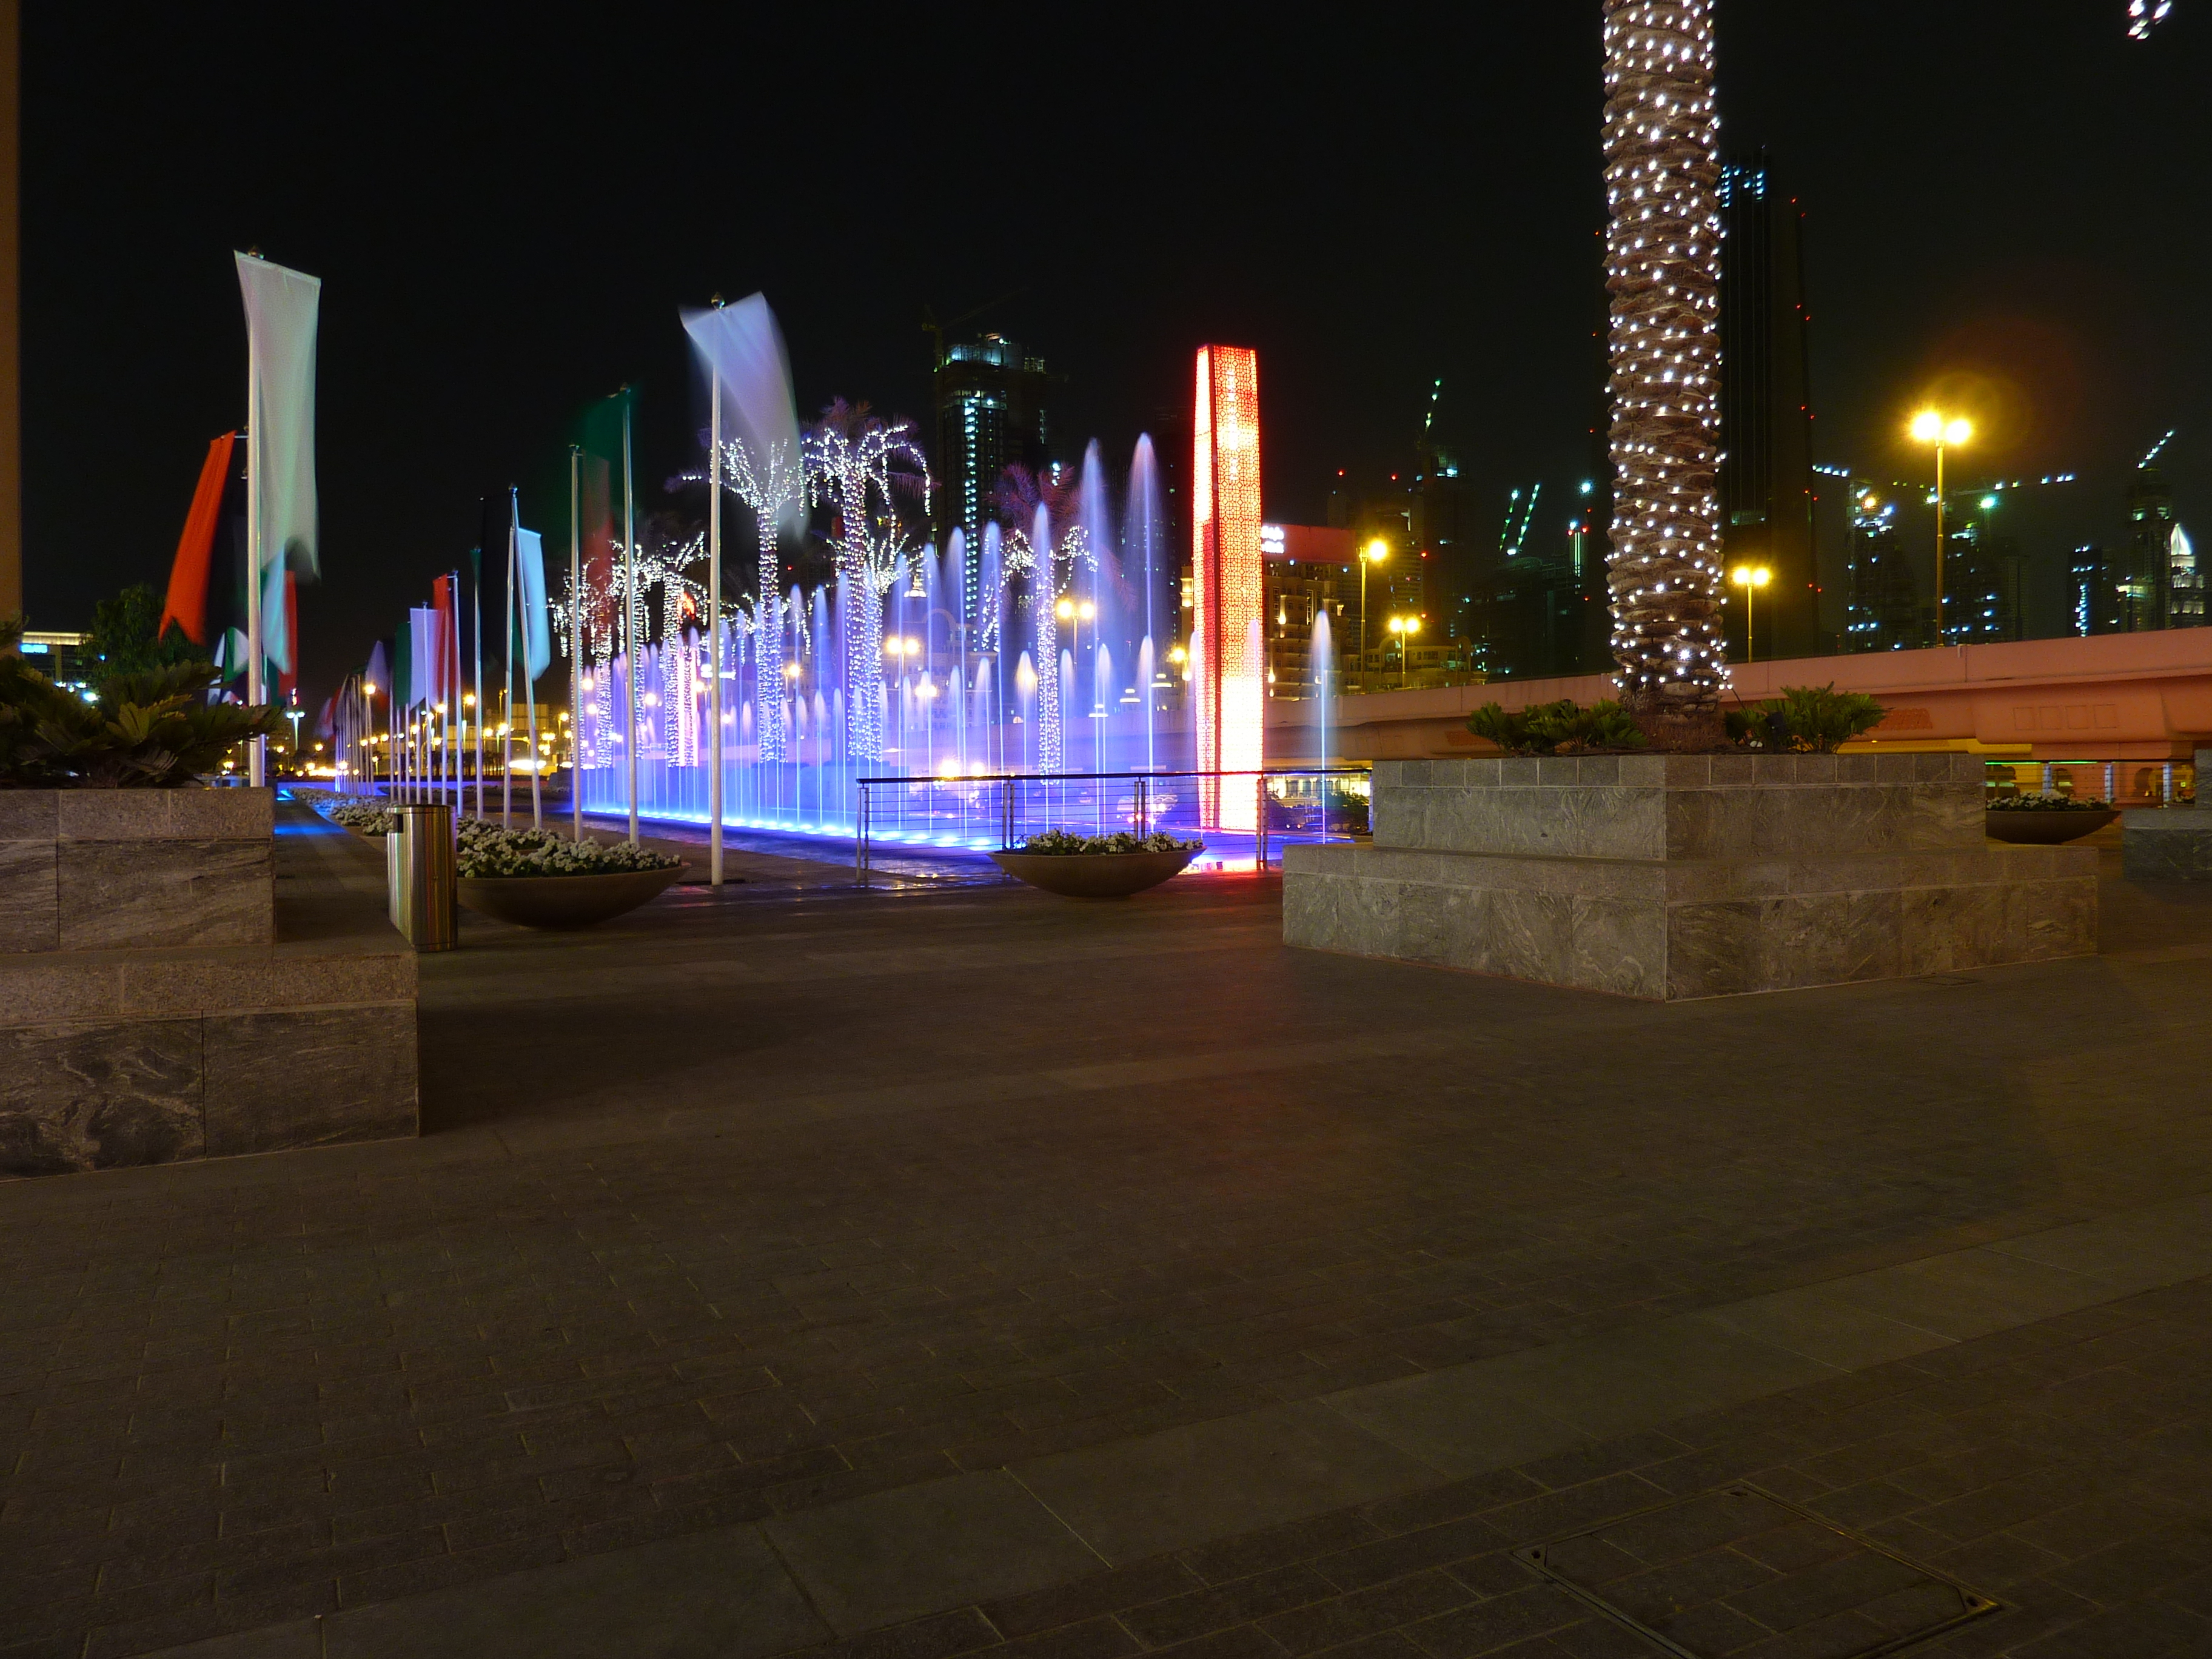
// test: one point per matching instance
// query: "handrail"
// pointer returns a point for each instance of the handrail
(864, 812)
(1109, 777)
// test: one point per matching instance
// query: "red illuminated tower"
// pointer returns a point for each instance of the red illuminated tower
(1228, 673)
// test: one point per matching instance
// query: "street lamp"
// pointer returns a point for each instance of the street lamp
(1945, 432)
(1750, 578)
(1374, 553)
(1405, 628)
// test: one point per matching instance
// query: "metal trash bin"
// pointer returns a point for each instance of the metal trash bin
(420, 872)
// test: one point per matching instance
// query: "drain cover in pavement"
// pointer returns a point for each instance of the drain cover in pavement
(1736, 1569)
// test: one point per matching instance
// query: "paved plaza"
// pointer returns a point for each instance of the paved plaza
(946, 1268)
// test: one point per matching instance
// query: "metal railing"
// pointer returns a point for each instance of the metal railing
(1004, 808)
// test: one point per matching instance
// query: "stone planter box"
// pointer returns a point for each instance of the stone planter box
(1676, 876)
(1093, 875)
(2171, 844)
(155, 1005)
(99, 869)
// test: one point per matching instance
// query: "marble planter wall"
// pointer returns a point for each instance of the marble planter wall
(1677, 877)
(2174, 844)
(149, 1013)
(96, 869)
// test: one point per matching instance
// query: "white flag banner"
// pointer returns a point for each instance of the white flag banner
(422, 656)
(536, 622)
(281, 308)
(276, 632)
(743, 348)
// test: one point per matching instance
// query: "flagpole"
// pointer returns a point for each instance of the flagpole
(506, 714)
(529, 685)
(257, 750)
(460, 709)
(575, 648)
(714, 625)
(476, 675)
(629, 616)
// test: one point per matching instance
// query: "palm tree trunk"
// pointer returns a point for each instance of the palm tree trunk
(1662, 273)
(768, 639)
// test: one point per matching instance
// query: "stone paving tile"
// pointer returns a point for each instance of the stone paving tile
(1430, 1574)
(982, 1236)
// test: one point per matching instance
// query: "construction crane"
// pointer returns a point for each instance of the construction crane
(935, 330)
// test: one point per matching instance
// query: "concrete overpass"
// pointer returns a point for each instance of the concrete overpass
(2110, 697)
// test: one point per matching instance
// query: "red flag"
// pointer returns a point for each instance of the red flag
(445, 668)
(188, 577)
(598, 535)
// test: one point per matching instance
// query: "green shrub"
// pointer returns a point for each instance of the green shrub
(127, 636)
(152, 729)
(1806, 719)
(1557, 728)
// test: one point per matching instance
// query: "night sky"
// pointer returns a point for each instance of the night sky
(2007, 198)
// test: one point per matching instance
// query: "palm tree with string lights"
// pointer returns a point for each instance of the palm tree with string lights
(862, 466)
(1044, 537)
(1662, 283)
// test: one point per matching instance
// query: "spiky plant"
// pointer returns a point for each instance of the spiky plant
(154, 729)
(1662, 276)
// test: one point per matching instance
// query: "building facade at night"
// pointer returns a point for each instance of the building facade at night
(1882, 591)
(1307, 572)
(1766, 423)
(991, 415)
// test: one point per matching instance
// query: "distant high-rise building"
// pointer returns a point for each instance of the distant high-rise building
(2095, 590)
(1985, 581)
(2187, 580)
(991, 415)
(1766, 402)
(1310, 571)
(1882, 599)
(2146, 553)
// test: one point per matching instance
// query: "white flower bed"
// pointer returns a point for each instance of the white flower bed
(366, 816)
(1061, 844)
(487, 850)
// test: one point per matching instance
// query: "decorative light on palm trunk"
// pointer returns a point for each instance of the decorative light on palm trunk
(858, 463)
(768, 487)
(1662, 273)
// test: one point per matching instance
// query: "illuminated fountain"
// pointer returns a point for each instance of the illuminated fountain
(1050, 672)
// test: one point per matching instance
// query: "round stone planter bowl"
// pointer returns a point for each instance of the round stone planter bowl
(1093, 875)
(2046, 828)
(557, 902)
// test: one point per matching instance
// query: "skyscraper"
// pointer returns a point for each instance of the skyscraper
(1882, 599)
(2095, 592)
(991, 415)
(2145, 572)
(1985, 597)
(2186, 581)
(1766, 422)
